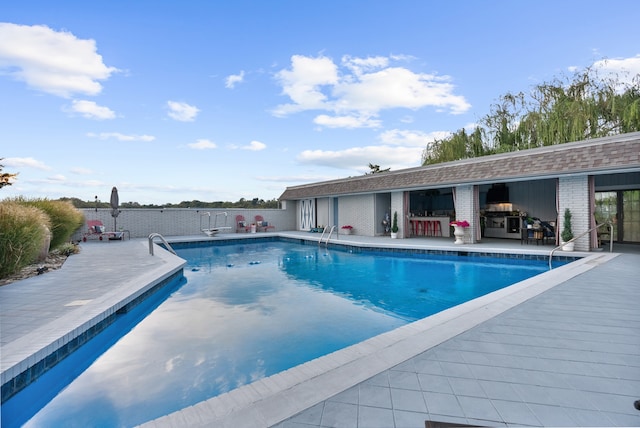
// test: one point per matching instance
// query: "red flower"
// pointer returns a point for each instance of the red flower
(347, 227)
(461, 223)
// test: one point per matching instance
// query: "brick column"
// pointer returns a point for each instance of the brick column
(573, 193)
(464, 211)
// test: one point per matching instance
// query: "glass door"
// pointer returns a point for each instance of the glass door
(623, 209)
(607, 210)
(630, 220)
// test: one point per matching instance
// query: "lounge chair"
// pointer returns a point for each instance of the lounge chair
(97, 230)
(241, 224)
(261, 225)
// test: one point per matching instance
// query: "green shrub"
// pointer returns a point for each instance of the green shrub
(23, 233)
(67, 249)
(567, 233)
(65, 218)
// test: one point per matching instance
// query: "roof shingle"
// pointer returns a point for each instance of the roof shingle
(609, 154)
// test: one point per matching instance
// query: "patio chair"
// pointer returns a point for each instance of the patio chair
(97, 230)
(241, 224)
(262, 225)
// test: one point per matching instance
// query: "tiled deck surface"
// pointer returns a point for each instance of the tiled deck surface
(561, 350)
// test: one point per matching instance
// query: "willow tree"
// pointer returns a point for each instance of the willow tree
(571, 109)
(582, 108)
(459, 145)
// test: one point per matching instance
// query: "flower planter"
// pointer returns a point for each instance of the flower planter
(346, 231)
(394, 235)
(568, 247)
(458, 232)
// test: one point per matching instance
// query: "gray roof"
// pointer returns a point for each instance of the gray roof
(619, 153)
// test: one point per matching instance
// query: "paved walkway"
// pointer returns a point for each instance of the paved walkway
(561, 349)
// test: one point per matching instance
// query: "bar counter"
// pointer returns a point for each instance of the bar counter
(419, 223)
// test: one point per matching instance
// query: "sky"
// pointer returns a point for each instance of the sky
(174, 101)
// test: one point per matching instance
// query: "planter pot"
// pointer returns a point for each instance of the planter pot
(458, 232)
(253, 228)
(394, 235)
(568, 247)
(346, 231)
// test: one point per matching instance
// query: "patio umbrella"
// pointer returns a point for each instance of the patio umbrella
(114, 206)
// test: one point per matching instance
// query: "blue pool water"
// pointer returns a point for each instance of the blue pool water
(247, 311)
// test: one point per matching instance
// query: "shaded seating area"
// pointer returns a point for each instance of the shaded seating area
(262, 225)
(535, 230)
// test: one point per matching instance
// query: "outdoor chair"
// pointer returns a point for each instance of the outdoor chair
(97, 230)
(241, 224)
(262, 225)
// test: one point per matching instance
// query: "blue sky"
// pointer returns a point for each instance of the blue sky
(221, 100)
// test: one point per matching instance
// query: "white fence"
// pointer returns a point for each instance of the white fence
(141, 222)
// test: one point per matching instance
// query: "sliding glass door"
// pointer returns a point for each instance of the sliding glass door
(623, 209)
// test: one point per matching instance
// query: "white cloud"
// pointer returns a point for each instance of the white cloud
(182, 112)
(409, 138)
(231, 80)
(303, 82)
(358, 158)
(625, 69)
(296, 178)
(361, 88)
(57, 178)
(255, 146)
(55, 62)
(91, 110)
(346, 122)
(81, 171)
(25, 162)
(121, 137)
(396, 87)
(361, 65)
(203, 144)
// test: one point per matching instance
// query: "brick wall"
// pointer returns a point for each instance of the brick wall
(357, 211)
(464, 211)
(397, 205)
(574, 194)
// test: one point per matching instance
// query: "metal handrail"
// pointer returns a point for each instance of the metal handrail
(580, 236)
(164, 241)
(328, 237)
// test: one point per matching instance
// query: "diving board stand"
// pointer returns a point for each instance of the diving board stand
(213, 231)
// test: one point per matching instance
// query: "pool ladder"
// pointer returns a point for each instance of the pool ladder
(326, 243)
(164, 241)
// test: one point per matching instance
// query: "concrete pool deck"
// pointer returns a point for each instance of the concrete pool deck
(560, 349)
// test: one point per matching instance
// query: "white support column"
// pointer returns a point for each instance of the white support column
(464, 211)
(397, 205)
(573, 193)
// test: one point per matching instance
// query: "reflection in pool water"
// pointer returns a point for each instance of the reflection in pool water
(252, 310)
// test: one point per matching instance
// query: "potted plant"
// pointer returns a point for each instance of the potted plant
(347, 229)
(394, 226)
(458, 230)
(567, 233)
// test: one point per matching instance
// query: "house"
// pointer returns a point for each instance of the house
(598, 178)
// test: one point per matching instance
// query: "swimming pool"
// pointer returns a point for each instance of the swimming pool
(233, 323)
